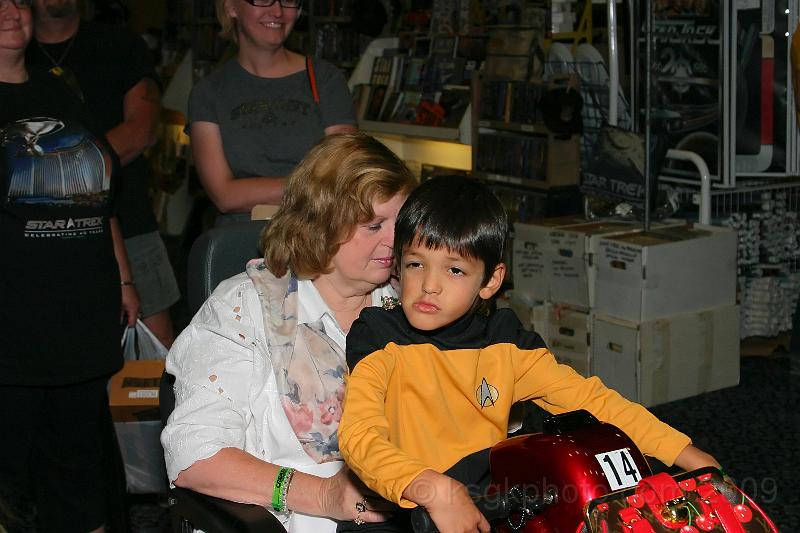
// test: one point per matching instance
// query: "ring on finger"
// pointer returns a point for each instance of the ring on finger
(361, 507)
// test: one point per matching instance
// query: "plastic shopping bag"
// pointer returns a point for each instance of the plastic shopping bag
(139, 342)
(143, 456)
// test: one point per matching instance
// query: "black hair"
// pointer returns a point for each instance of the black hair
(456, 213)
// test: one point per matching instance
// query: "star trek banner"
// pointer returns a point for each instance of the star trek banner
(687, 82)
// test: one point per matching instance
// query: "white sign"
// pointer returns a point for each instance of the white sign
(143, 393)
(619, 468)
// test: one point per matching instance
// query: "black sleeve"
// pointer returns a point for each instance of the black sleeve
(139, 62)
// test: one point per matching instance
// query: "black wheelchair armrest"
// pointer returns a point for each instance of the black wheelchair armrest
(214, 515)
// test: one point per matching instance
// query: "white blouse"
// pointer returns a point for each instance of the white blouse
(226, 395)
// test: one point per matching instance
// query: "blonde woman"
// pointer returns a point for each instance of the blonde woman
(255, 117)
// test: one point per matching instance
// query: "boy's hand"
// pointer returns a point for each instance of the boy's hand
(692, 458)
(448, 503)
(456, 513)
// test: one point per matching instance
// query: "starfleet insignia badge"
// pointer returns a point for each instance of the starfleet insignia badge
(486, 394)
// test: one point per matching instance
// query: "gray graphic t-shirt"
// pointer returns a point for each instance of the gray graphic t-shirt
(268, 124)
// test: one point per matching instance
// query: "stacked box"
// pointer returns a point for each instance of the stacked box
(571, 269)
(553, 263)
(531, 252)
(552, 257)
(668, 358)
(567, 334)
(643, 276)
(612, 293)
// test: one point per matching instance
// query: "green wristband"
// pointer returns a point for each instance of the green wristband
(281, 488)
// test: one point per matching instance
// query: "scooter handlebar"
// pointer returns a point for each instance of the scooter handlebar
(494, 507)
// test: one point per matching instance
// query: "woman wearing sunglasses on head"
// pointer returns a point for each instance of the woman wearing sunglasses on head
(255, 117)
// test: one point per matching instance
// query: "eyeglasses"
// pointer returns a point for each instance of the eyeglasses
(5, 4)
(292, 4)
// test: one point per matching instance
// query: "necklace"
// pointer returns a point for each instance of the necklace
(65, 74)
(57, 70)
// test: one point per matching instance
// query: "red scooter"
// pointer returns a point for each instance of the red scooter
(581, 475)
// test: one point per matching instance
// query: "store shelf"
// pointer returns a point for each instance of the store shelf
(410, 130)
(512, 126)
(513, 180)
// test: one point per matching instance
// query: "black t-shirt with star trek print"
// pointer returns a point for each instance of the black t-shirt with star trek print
(59, 280)
(107, 61)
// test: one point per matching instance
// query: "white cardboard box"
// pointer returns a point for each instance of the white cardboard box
(522, 305)
(571, 249)
(644, 276)
(668, 358)
(530, 266)
(567, 333)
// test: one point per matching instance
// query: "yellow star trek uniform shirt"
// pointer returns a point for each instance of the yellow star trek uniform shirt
(417, 400)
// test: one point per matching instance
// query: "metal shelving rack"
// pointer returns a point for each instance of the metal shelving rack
(748, 194)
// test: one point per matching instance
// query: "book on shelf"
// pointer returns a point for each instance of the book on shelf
(376, 100)
(381, 70)
(412, 77)
(454, 100)
(397, 108)
(511, 101)
(361, 94)
(406, 112)
(444, 45)
(450, 71)
(396, 72)
(389, 99)
(391, 104)
(508, 154)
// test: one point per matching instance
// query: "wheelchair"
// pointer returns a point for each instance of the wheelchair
(217, 254)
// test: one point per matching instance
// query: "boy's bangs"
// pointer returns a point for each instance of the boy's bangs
(435, 238)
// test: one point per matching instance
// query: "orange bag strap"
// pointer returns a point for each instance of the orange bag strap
(312, 79)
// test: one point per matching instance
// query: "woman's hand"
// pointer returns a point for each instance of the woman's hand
(130, 305)
(340, 494)
(448, 502)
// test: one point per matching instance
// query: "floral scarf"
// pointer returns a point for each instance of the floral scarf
(309, 366)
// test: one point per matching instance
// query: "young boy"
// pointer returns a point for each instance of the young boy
(432, 381)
